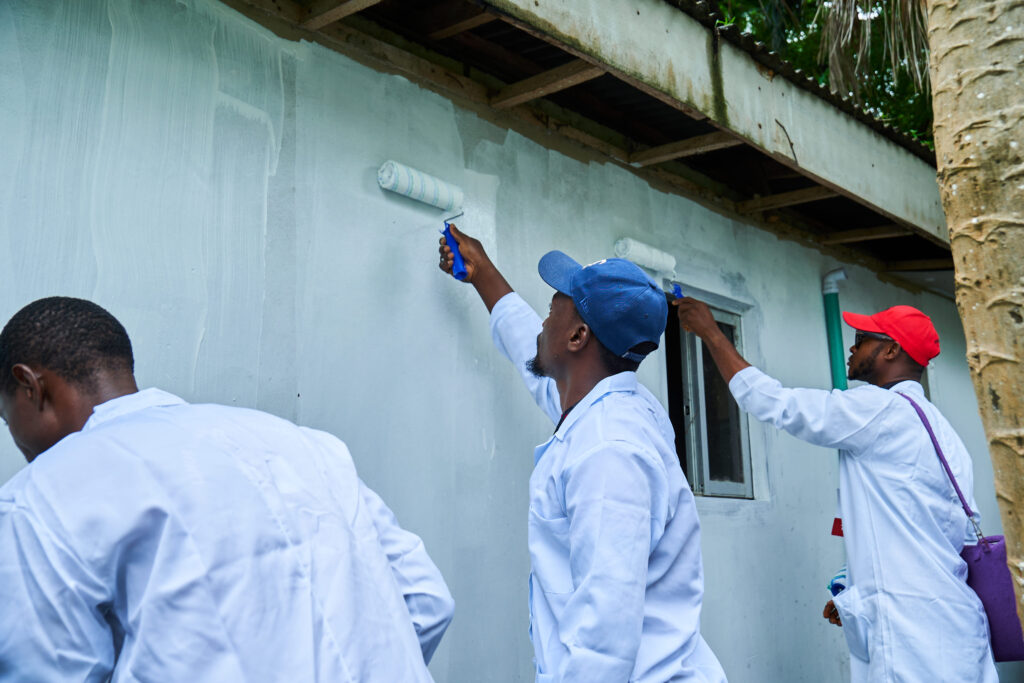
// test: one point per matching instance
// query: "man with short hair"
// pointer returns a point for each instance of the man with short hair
(907, 612)
(617, 580)
(154, 540)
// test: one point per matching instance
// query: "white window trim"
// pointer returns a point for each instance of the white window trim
(728, 311)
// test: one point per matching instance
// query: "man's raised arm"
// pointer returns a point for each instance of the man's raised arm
(695, 316)
(514, 325)
(490, 284)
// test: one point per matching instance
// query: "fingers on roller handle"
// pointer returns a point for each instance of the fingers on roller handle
(458, 265)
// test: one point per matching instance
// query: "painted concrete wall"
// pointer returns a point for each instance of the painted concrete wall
(214, 187)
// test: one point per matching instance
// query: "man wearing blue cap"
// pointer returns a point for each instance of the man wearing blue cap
(617, 580)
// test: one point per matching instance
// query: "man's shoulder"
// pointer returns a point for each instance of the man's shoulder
(183, 417)
(11, 490)
(632, 421)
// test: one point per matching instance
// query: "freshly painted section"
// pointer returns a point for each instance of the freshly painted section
(662, 47)
(215, 187)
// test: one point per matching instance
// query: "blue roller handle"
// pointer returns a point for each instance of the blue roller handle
(677, 291)
(458, 265)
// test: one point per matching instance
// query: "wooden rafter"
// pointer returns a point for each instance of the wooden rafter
(622, 76)
(559, 78)
(920, 264)
(458, 27)
(701, 144)
(453, 17)
(324, 13)
(880, 232)
(515, 62)
(587, 101)
(778, 201)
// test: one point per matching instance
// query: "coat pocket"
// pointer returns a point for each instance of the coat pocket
(549, 552)
(857, 622)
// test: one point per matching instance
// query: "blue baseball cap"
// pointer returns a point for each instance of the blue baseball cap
(620, 303)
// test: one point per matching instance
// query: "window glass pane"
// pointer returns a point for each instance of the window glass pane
(725, 449)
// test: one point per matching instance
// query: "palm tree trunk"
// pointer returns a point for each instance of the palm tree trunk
(977, 65)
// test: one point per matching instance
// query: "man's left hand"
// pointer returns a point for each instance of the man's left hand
(831, 613)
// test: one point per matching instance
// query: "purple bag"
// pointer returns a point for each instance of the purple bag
(987, 574)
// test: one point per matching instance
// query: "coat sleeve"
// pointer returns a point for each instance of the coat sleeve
(615, 503)
(426, 595)
(514, 328)
(53, 625)
(850, 420)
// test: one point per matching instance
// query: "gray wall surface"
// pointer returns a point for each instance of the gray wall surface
(214, 187)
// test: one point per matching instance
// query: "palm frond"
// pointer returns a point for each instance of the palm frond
(850, 26)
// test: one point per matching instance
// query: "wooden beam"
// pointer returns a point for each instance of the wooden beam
(325, 13)
(865, 234)
(777, 201)
(920, 264)
(584, 100)
(559, 78)
(288, 11)
(701, 144)
(621, 75)
(454, 17)
(458, 27)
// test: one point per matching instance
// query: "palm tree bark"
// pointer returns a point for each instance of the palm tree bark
(977, 65)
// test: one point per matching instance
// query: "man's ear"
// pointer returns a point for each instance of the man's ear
(580, 337)
(29, 382)
(892, 352)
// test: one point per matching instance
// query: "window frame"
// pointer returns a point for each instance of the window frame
(694, 405)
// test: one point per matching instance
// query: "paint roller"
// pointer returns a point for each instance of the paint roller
(648, 257)
(409, 182)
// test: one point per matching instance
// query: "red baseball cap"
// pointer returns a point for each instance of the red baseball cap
(911, 329)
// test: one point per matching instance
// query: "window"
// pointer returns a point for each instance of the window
(711, 432)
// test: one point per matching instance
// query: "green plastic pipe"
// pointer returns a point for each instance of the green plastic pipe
(834, 326)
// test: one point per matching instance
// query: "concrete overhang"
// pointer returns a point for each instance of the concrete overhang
(655, 43)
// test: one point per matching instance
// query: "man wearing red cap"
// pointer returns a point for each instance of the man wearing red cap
(907, 613)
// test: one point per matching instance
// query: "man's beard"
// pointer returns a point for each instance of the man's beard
(535, 367)
(865, 369)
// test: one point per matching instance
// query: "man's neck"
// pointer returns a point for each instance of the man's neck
(891, 381)
(106, 387)
(573, 388)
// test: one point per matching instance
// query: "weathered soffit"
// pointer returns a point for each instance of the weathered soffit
(671, 51)
(657, 91)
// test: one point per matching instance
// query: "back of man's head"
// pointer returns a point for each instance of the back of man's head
(74, 338)
(624, 307)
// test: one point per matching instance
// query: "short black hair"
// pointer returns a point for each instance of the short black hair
(915, 368)
(616, 364)
(612, 363)
(72, 337)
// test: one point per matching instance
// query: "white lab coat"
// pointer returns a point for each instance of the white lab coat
(908, 614)
(617, 581)
(176, 542)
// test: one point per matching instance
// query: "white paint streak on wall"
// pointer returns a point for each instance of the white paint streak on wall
(214, 186)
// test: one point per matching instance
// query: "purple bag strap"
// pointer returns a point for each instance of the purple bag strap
(945, 464)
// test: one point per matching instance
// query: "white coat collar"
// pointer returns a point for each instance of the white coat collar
(129, 403)
(908, 386)
(624, 381)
